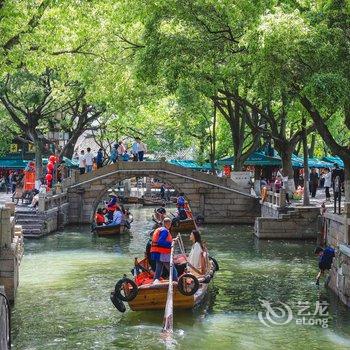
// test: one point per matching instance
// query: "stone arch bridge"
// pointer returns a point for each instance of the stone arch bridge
(219, 200)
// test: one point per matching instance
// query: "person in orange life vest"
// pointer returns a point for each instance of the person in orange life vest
(100, 219)
(160, 250)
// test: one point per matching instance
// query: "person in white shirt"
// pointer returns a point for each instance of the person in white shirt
(89, 160)
(327, 183)
(197, 259)
(82, 162)
(142, 149)
(135, 151)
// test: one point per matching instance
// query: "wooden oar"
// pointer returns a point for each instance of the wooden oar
(169, 306)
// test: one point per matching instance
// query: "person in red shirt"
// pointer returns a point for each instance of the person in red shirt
(100, 219)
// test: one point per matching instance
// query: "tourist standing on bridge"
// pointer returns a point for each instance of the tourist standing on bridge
(89, 160)
(114, 155)
(142, 149)
(120, 150)
(135, 150)
(82, 162)
(99, 158)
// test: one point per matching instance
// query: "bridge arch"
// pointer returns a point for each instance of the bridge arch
(219, 200)
(104, 192)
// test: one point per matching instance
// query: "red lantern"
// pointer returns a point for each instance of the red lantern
(48, 177)
(53, 159)
(50, 166)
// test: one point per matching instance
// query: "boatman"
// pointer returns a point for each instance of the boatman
(161, 249)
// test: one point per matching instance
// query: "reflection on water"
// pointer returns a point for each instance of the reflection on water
(65, 281)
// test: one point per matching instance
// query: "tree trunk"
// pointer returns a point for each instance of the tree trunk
(312, 146)
(213, 145)
(347, 179)
(68, 151)
(306, 197)
(287, 168)
(238, 162)
(38, 149)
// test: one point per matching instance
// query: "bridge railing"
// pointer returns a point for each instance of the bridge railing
(48, 201)
(276, 198)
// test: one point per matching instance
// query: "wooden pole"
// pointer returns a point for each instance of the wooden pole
(169, 306)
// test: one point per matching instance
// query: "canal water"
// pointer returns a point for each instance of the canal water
(65, 281)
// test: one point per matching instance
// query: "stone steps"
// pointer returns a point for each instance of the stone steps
(32, 223)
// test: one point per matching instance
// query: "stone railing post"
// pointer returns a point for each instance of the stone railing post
(42, 202)
(5, 228)
(282, 198)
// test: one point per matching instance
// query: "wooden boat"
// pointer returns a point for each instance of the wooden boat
(113, 230)
(142, 295)
(183, 226)
(150, 202)
(109, 230)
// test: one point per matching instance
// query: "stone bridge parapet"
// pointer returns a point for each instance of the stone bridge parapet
(219, 200)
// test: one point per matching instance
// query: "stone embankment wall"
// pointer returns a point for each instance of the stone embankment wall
(11, 252)
(4, 321)
(286, 223)
(338, 236)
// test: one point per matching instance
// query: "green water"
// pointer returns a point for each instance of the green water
(65, 281)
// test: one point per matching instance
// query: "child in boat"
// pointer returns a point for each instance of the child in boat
(161, 249)
(197, 259)
(100, 219)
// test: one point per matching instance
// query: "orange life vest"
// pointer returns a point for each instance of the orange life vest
(188, 211)
(100, 219)
(154, 246)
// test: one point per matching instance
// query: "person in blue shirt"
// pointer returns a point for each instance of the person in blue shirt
(117, 217)
(181, 200)
(114, 155)
(99, 158)
(325, 259)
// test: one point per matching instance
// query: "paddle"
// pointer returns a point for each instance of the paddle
(169, 306)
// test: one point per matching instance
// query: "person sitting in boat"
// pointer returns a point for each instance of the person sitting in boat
(100, 218)
(180, 203)
(159, 215)
(161, 249)
(198, 257)
(111, 206)
(118, 217)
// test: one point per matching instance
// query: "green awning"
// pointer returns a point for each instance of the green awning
(190, 164)
(13, 163)
(333, 160)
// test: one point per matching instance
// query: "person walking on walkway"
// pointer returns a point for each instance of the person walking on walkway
(313, 182)
(327, 183)
(82, 162)
(142, 149)
(89, 160)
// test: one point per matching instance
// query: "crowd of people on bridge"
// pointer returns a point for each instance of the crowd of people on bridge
(88, 161)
